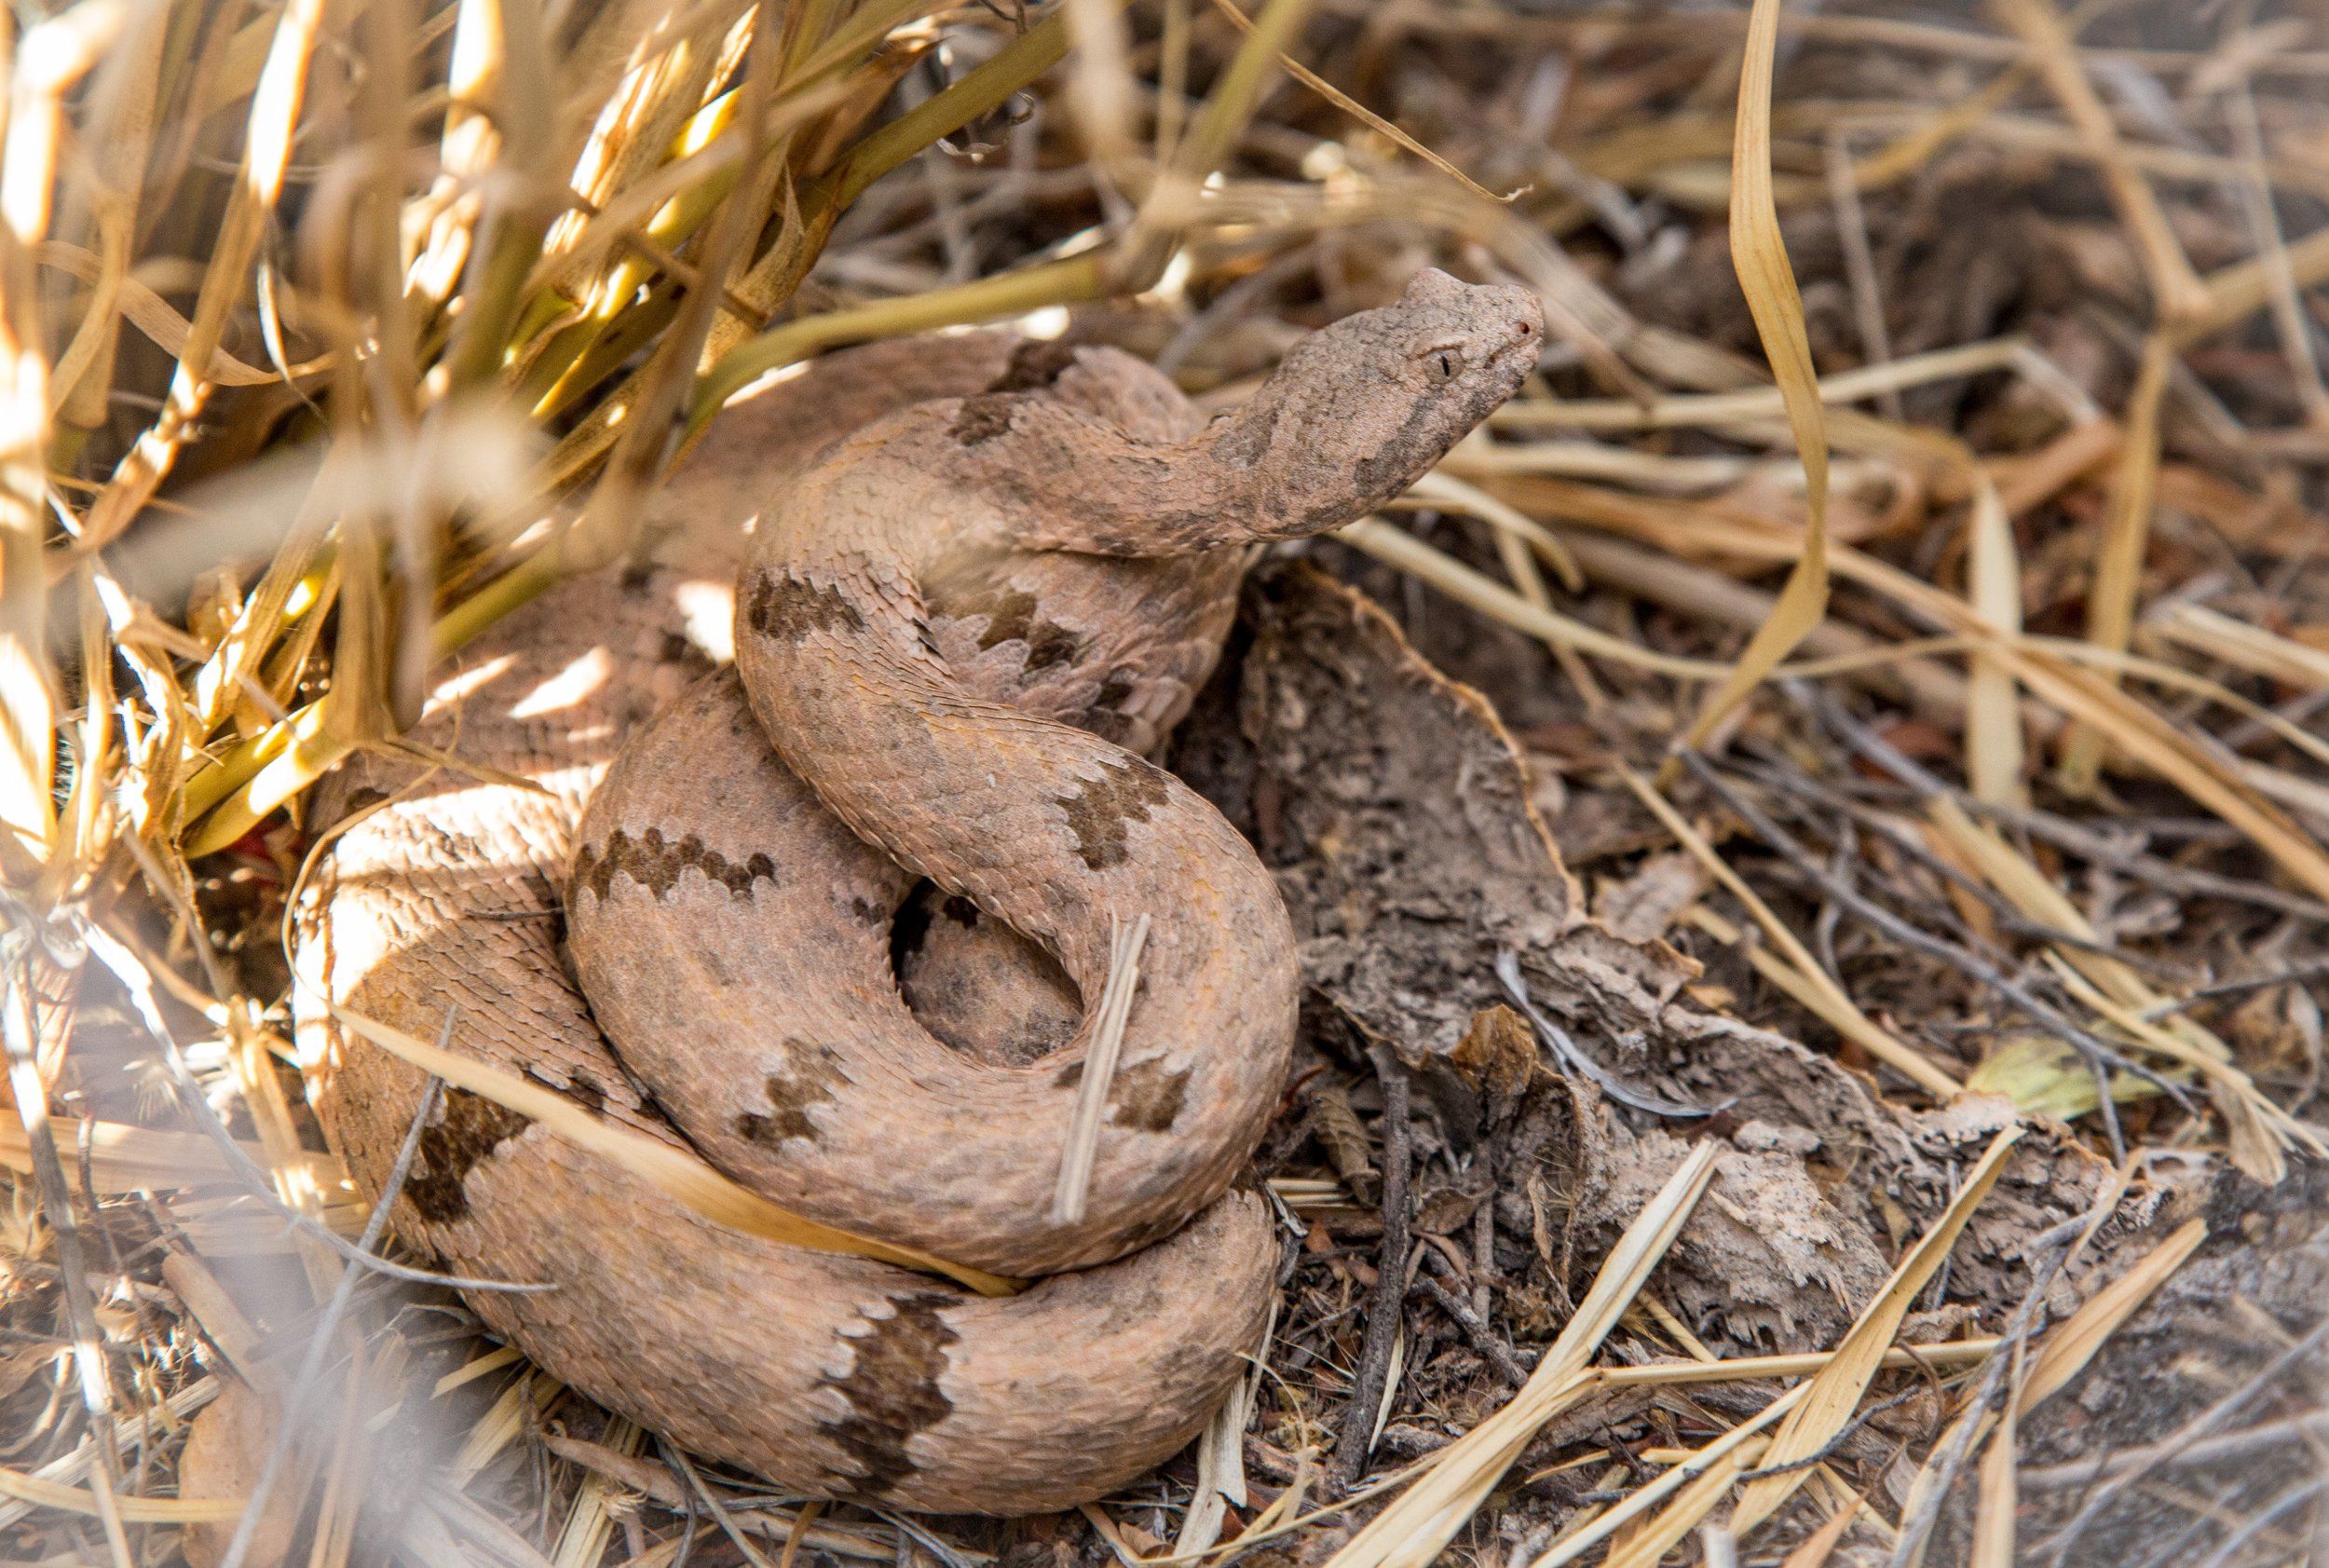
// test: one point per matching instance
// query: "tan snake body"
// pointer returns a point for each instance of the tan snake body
(927, 610)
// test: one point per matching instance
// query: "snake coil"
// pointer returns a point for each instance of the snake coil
(981, 577)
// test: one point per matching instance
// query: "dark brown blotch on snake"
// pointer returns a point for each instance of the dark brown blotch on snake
(784, 607)
(893, 1390)
(1034, 366)
(1145, 1095)
(469, 1128)
(1015, 614)
(814, 1076)
(981, 419)
(656, 866)
(1128, 790)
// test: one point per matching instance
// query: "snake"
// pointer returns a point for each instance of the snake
(807, 839)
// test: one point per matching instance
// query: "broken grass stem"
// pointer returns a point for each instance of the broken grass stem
(1099, 1069)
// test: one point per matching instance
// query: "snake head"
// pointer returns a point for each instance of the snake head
(1359, 411)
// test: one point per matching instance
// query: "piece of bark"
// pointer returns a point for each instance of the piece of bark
(225, 1450)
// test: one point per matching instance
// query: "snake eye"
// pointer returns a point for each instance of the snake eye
(1442, 365)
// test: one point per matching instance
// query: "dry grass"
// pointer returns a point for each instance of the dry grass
(330, 335)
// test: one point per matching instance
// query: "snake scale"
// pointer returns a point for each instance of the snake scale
(967, 582)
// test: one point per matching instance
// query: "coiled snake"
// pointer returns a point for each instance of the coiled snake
(925, 613)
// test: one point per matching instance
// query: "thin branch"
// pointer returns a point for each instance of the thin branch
(1498, 1354)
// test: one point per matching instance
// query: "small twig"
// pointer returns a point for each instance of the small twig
(254, 1177)
(2303, 1491)
(907, 1526)
(1859, 266)
(2232, 1445)
(728, 1527)
(1382, 1311)
(1484, 1244)
(2057, 1245)
(2234, 988)
(1904, 839)
(686, 1547)
(1082, 1145)
(1476, 1329)
(1573, 1057)
(74, 1463)
(1830, 1449)
(776, 1516)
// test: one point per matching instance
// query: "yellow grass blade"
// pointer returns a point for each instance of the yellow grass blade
(1396, 547)
(476, 1367)
(304, 749)
(2253, 648)
(265, 156)
(134, 1510)
(1819, 1548)
(1660, 1374)
(1998, 1497)
(1715, 1454)
(2259, 1128)
(1685, 411)
(160, 320)
(2176, 291)
(2138, 731)
(509, 1414)
(2118, 568)
(1836, 1393)
(42, 66)
(1226, 111)
(1444, 490)
(2070, 1347)
(2065, 1353)
(2037, 897)
(125, 1158)
(1011, 294)
(675, 1173)
(1359, 111)
(1710, 1482)
(1819, 993)
(583, 1540)
(1993, 708)
(1100, 88)
(1759, 254)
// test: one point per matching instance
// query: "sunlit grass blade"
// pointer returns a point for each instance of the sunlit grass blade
(1759, 254)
